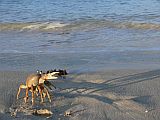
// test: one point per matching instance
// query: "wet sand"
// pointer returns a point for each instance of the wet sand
(108, 95)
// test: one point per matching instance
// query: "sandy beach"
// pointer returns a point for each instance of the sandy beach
(108, 95)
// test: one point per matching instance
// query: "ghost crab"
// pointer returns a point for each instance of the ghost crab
(35, 83)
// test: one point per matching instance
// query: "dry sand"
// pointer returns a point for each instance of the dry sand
(108, 95)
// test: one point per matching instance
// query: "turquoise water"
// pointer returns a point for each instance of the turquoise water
(81, 35)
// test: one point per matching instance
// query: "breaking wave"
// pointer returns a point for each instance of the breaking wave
(78, 25)
(93, 24)
(39, 26)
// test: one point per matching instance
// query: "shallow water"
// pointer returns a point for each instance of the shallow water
(80, 51)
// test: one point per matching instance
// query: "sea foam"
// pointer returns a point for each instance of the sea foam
(78, 25)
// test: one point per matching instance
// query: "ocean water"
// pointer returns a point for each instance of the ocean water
(79, 35)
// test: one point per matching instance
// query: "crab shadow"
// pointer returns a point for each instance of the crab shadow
(80, 89)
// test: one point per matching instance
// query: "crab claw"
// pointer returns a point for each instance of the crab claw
(49, 84)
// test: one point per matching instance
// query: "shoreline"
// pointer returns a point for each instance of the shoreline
(88, 62)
